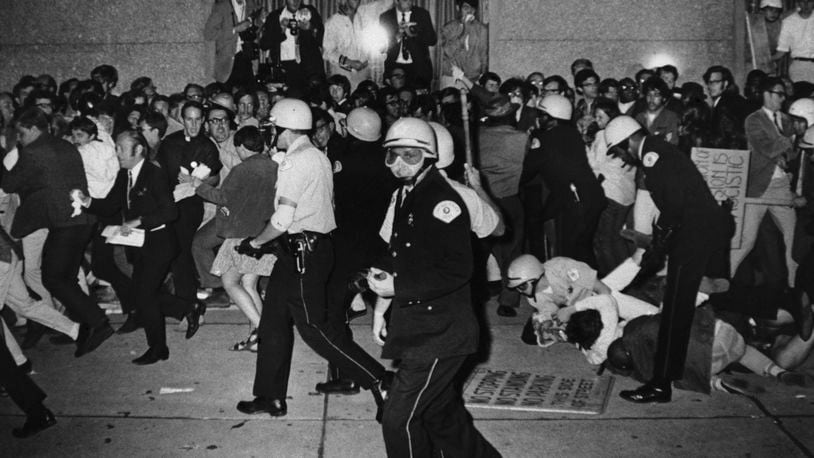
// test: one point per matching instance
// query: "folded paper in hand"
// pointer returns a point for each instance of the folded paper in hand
(113, 235)
(183, 191)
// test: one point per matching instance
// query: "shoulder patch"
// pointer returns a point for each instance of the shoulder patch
(650, 159)
(535, 143)
(337, 166)
(446, 211)
(573, 274)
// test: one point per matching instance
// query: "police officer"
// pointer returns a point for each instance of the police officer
(303, 220)
(691, 231)
(433, 329)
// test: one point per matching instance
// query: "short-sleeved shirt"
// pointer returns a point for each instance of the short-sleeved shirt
(483, 217)
(569, 281)
(305, 176)
(797, 36)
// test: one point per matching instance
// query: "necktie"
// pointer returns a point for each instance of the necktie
(777, 122)
(129, 186)
(405, 54)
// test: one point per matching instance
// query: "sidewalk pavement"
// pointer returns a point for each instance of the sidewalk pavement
(106, 406)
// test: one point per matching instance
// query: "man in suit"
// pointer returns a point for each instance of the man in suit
(183, 149)
(657, 118)
(293, 36)
(411, 34)
(141, 195)
(228, 19)
(769, 133)
(729, 109)
(45, 173)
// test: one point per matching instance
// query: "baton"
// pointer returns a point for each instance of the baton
(467, 135)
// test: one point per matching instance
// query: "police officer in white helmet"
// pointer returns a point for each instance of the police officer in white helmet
(302, 222)
(432, 325)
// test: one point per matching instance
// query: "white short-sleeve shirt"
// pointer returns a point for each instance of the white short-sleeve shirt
(305, 176)
(797, 36)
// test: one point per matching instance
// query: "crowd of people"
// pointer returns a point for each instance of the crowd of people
(308, 198)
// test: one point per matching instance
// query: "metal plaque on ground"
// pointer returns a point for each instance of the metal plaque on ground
(525, 391)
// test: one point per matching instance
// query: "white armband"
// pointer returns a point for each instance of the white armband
(282, 218)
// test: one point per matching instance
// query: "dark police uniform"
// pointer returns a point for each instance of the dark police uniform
(297, 286)
(432, 324)
(687, 206)
(577, 199)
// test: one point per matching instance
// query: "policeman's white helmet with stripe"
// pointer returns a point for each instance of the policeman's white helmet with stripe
(620, 129)
(412, 133)
(524, 268)
(446, 148)
(364, 124)
(803, 108)
(292, 114)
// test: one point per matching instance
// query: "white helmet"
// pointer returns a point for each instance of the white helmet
(619, 129)
(803, 108)
(225, 100)
(446, 147)
(291, 114)
(412, 133)
(524, 268)
(556, 106)
(364, 124)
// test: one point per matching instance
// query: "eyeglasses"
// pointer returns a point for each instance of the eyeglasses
(409, 156)
(218, 121)
(45, 105)
(715, 81)
(778, 93)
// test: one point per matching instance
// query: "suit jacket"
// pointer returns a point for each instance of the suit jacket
(150, 199)
(766, 145)
(665, 126)
(218, 28)
(45, 174)
(310, 41)
(418, 46)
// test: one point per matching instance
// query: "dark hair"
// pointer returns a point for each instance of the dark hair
(158, 99)
(695, 123)
(192, 86)
(318, 114)
(528, 78)
(177, 100)
(771, 82)
(606, 84)
(250, 138)
(340, 80)
(369, 86)
(692, 92)
(488, 76)
(425, 103)
(643, 72)
(654, 83)
(193, 104)
(156, 120)
(583, 75)
(394, 68)
(141, 83)
(726, 75)
(84, 124)
(243, 93)
(668, 69)
(556, 79)
(510, 85)
(211, 89)
(47, 83)
(583, 328)
(40, 94)
(137, 138)
(581, 62)
(608, 106)
(106, 73)
(33, 117)
(361, 98)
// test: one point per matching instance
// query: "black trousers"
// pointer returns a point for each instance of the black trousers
(576, 225)
(150, 266)
(292, 296)
(22, 390)
(242, 73)
(510, 245)
(104, 266)
(688, 262)
(424, 414)
(190, 216)
(61, 257)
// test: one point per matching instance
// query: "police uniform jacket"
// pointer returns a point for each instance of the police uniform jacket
(681, 195)
(430, 253)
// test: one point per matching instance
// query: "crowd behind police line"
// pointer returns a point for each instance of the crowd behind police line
(542, 155)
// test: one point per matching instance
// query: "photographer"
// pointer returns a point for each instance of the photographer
(411, 34)
(293, 36)
(225, 25)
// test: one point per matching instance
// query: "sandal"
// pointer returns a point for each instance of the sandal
(249, 344)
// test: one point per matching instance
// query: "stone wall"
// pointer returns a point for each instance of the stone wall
(162, 39)
(619, 36)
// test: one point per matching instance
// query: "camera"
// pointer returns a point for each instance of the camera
(294, 27)
(358, 281)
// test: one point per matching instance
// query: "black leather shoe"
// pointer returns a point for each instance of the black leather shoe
(94, 338)
(34, 333)
(193, 318)
(649, 393)
(130, 324)
(505, 310)
(152, 356)
(273, 407)
(338, 386)
(35, 424)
